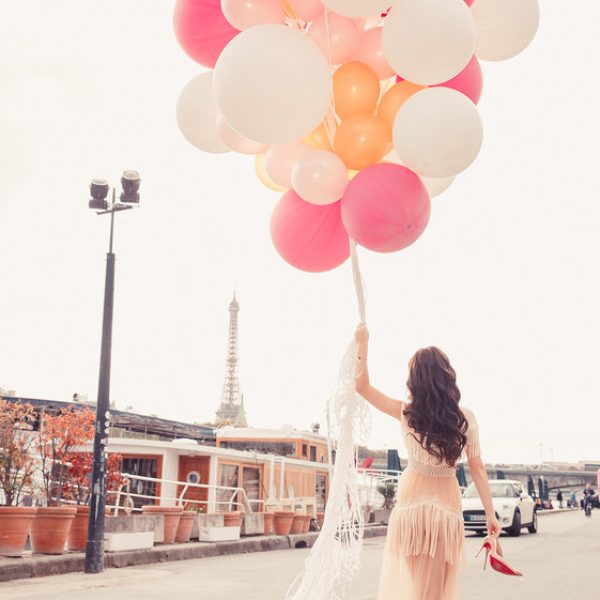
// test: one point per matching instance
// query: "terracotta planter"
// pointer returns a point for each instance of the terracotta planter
(171, 516)
(268, 519)
(320, 519)
(50, 529)
(184, 529)
(283, 521)
(306, 524)
(77, 538)
(15, 525)
(232, 518)
(297, 524)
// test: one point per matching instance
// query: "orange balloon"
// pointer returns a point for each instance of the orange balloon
(393, 99)
(355, 90)
(318, 139)
(361, 141)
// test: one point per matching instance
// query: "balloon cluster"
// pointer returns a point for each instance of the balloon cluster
(358, 110)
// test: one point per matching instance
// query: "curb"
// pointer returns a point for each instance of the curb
(42, 566)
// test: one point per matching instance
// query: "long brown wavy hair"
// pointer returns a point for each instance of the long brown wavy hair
(433, 413)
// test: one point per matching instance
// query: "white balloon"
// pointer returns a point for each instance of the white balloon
(320, 177)
(436, 185)
(428, 41)
(358, 8)
(437, 132)
(197, 112)
(273, 84)
(504, 27)
(234, 141)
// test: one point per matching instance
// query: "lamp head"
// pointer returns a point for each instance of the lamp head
(130, 182)
(98, 193)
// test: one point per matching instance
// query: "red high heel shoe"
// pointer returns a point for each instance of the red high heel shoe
(493, 551)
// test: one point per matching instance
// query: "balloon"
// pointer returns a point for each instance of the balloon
(234, 141)
(197, 112)
(370, 52)
(308, 9)
(357, 8)
(202, 30)
(469, 2)
(356, 90)
(385, 208)
(469, 81)
(428, 41)
(337, 36)
(319, 177)
(504, 27)
(307, 236)
(361, 141)
(318, 139)
(259, 169)
(393, 99)
(436, 185)
(247, 13)
(273, 84)
(280, 160)
(437, 132)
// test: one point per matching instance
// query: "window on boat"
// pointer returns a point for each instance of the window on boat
(143, 492)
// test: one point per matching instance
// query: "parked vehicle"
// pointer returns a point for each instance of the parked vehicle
(515, 508)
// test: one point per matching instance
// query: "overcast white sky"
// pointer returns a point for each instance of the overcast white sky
(505, 279)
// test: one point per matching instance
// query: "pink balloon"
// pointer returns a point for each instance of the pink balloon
(320, 177)
(236, 141)
(280, 160)
(202, 30)
(308, 10)
(469, 81)
(309, 237)
(344, 37)
(469, 2)
(248, 13)
(385, 207)
(370, 52)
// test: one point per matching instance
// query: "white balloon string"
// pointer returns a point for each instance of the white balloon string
(359, 284)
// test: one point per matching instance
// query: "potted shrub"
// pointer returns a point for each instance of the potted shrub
(171, 517)
(16, 472)
(60, 438)
(388, 491)
(77, 489)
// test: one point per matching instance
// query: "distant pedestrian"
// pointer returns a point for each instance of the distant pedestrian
(559, 499)
(588, 494)
(573, 499)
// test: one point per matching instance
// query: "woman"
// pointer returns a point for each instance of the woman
(424, 545)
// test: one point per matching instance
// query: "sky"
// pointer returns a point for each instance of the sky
(504, 279)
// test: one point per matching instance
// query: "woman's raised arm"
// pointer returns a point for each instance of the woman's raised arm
(362, 383)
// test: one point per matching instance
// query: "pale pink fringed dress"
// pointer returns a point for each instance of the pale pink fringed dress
(424, 545)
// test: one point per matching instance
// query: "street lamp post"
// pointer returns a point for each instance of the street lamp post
(94, 551)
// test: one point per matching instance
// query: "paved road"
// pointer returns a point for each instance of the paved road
(561, 562)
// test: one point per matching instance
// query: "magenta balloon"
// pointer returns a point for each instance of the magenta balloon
(309, 237)
(385, 207)
(469, 81)
(202, 29)
(469, 2)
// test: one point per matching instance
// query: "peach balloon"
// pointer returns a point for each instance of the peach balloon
(393, 99)
(280, 160)
(235, 141)
(261, 173)
(308, 9)
(370, 52)
(338, 37)
(355, 90)
(318, 139)
(361, 140)
(248, 13)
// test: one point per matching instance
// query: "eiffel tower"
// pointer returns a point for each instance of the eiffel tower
(231, 410)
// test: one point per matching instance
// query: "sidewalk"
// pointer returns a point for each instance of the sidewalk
(42, 565)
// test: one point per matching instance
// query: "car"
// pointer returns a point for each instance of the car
(515, 508)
